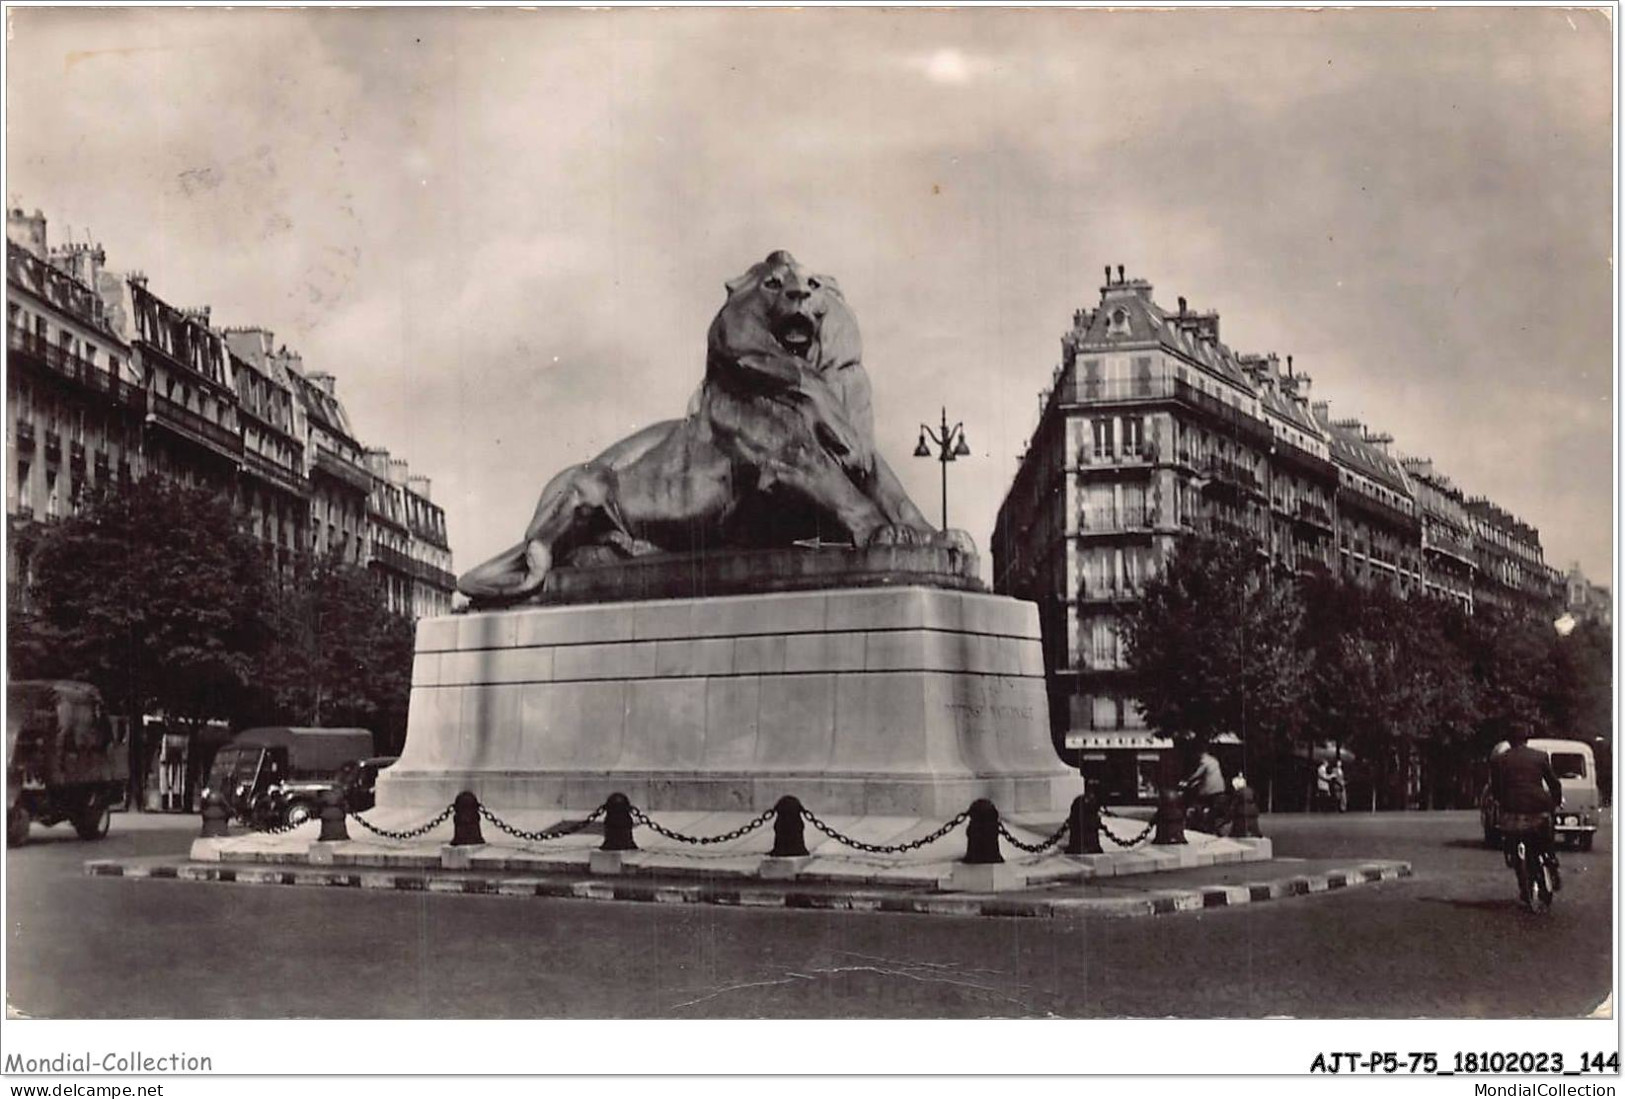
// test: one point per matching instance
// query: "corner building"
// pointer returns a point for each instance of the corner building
(1154, 430)
(107, 383)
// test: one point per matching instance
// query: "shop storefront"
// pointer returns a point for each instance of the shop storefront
(1129, 767)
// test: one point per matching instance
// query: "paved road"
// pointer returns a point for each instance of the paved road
(1450, 942)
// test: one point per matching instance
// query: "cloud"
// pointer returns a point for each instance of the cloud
(949, 65)
(506, 231)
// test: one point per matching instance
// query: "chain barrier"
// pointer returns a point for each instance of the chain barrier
(883, 849)
(277, 829)
(640, 817)
(1105, 830)
(542, 834)
(1040, 847)
(408, 834)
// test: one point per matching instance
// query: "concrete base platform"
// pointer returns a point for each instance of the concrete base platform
(937, 865)
(864, 702)
(1153, 894)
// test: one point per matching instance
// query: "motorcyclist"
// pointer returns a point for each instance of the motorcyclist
(1527, 794)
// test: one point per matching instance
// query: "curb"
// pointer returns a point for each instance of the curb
(1153, 902)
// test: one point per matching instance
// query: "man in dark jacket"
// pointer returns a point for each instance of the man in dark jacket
(1526, 792)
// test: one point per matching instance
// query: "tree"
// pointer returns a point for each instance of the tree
(339, 657)
(1445, 699)
(1577, 696)
(1213, 646)
(1508, 655)
(155, 595)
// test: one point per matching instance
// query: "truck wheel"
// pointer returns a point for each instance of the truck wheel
(17, 826)
(93, 821)
(1583, 840)
(298, 813)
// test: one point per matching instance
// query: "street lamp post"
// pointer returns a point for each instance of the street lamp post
(951, 444)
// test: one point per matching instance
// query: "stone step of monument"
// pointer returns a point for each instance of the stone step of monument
(1157, 893)
(830, 860)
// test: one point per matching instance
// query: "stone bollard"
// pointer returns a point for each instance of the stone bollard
(1170, 818)
(982, 834)
(333, 814)
(618, 824)
(465, 820)
(789, 838)
(983, 869)
(1244, 815)
(1083, 826)
(216, 817)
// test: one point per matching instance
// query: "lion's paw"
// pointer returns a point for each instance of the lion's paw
(954, 540)
(587, 557)
(893, 534)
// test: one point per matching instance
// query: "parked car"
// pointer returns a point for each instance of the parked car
(66, 758)
(360, 783)
(277, 775)
(1576, 769)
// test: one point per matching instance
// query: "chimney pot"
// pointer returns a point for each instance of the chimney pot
(1181, 306)
(1108, 274)
(1120, 274)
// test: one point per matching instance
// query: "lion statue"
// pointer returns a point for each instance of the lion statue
(777, 446)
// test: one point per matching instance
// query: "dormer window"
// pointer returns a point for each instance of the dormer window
(1117, 322)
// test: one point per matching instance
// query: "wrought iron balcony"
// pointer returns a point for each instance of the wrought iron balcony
(285, 477)
(25, 435)
(1447, 542)
(340, 469)
(1233, 474)
(1095, 390)
(436, 577)
(193, 426)
(1114, 520)
(392, 559)
(53, 447)
(29, 347)
(1235, 421)
(1314, 514)
(1106, 591)
(1291, 454)
(1141, 456)
(1385, 513)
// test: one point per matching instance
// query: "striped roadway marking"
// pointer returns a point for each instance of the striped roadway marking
(1154, 902)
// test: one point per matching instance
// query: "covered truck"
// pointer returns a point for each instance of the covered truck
(66, 758)
(277, 774)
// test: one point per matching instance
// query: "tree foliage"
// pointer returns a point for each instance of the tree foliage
(156, 595)
(1415, 687)
(339, 656)
(1214, 647)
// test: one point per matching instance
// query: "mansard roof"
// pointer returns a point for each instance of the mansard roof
(1145, 321)
(1347, 447)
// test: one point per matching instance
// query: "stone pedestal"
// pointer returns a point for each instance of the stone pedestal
(881, 701)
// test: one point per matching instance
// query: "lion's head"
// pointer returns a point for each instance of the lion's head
(780, 306)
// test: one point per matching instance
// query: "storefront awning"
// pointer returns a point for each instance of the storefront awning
(1141, 741)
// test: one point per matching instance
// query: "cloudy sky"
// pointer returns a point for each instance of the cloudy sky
(506, 232)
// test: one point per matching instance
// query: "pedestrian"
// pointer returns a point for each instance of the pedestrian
(1330, 786)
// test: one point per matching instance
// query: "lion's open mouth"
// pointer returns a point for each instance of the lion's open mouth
(796, 333)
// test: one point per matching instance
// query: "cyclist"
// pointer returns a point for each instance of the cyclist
(1204, 789)
(1527, 794)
